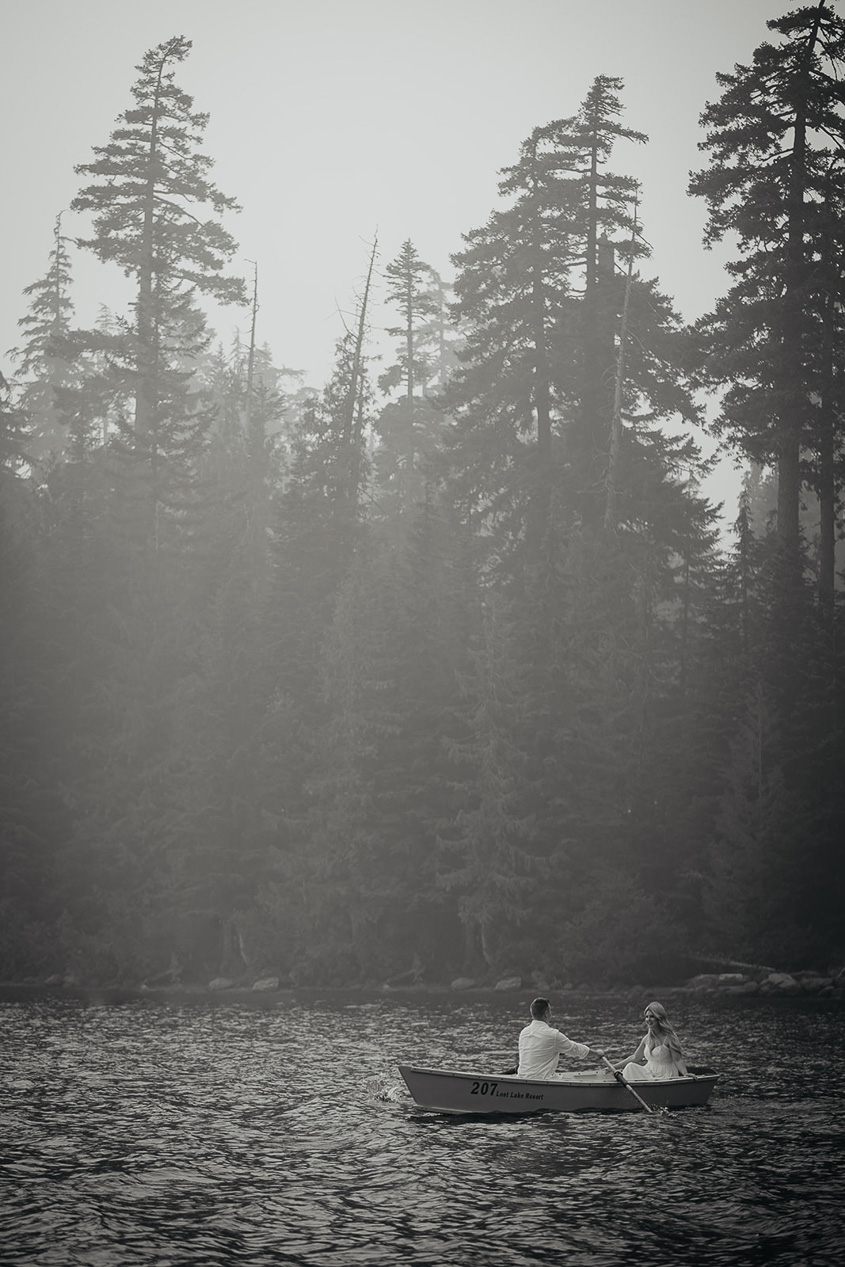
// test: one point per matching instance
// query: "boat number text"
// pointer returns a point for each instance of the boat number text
(489, 1088)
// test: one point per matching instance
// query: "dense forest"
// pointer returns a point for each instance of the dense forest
(444, 668)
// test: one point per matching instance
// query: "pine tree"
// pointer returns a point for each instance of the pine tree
(775, 342)
(150, 534)
(49, 370)
(407, 427)
(157, 215)
(318, 527)
(775, 136)
(539, 286)
(606, 208)
(604, 552)
(511, 288)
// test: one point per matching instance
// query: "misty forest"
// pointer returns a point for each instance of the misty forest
(448, 667)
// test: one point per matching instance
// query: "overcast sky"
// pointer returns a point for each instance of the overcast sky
(331, 119)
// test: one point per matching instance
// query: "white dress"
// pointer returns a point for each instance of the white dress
(660, 1063)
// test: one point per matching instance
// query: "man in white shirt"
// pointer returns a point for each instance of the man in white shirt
(540, 1045)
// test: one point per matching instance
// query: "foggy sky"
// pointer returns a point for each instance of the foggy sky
(331, 119)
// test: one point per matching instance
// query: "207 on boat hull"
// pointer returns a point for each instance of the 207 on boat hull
(456, 1091)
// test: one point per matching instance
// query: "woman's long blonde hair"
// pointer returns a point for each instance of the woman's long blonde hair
(666, 1031)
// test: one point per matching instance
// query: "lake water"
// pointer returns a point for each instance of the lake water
(221, 1132)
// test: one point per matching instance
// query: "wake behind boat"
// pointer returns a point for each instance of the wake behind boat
(467, 1092)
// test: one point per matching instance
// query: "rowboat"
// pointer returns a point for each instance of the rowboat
(465, 1092)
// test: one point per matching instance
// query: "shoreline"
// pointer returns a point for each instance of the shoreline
(729, 985)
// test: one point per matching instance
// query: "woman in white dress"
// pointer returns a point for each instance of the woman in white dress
(659, 1055)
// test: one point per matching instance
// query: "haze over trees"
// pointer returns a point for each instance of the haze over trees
(442, 669)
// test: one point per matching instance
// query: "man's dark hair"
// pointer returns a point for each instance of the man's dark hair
(539, 1008)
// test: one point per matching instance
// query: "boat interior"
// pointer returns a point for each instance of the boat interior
(591, 1077)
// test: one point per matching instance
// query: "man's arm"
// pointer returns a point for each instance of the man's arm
(568, 1047)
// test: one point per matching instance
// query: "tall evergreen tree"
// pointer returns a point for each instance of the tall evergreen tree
(604, 620)
(318, 527)
(157, 215)
(406, 425)
(145, 560)
(606, 208)
(513, 279)
(775, 137)
(538, 283)
(49, 371)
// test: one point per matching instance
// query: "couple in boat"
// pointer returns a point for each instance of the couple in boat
(659, 1054)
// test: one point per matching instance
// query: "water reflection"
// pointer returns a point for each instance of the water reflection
(279, 1133)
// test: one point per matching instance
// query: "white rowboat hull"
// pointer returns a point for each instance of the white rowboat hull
(457, 1091)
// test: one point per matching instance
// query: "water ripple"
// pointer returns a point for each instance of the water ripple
(280, 1134)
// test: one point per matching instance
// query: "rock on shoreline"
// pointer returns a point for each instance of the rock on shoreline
(831, 985)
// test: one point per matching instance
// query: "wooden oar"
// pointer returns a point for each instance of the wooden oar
(649, 1108)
